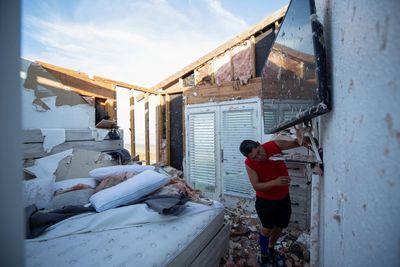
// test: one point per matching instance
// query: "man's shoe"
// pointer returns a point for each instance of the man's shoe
(264, 261)
(278, 259)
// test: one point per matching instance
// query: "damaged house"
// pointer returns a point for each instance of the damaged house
(345, 200)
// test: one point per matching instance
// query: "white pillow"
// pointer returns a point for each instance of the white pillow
(103, 172)
(65, 184)
(130, 190)
(38, 191)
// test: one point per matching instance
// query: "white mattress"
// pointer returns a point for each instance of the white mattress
(142, 238)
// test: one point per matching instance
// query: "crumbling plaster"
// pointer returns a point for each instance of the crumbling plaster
(41, 107)
(360, 189)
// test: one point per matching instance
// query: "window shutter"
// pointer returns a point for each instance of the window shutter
(237, 125)
(202, 149)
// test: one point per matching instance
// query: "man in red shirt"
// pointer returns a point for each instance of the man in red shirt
(270, 179)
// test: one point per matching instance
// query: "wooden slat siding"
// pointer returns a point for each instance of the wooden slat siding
(35, 136)
(146, 128)
(35, 150)
(270, 20)
(227, 91)
(168, 129)
(132, 123)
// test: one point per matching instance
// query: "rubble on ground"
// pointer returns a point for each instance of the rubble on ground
(244, 247)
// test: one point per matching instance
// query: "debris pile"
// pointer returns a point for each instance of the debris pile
(243, 246)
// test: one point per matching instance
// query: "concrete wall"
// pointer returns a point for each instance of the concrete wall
(360, 190)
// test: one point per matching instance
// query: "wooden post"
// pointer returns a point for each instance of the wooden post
(146, 127)
(132, 122)
(159, 128)
(168, 128)
(253, 51)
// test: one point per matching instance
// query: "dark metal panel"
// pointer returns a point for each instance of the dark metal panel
(176, 149)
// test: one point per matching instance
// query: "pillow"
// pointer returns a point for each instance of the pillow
(77, 197)
(128, 191)
(38, 191)
(103, 172)
(65, 184)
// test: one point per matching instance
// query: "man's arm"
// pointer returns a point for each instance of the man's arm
(265, 186)
(287, 144)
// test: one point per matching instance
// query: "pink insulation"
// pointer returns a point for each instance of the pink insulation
(243, 62)
(222, 68)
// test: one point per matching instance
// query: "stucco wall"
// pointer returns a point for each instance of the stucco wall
(360, 190)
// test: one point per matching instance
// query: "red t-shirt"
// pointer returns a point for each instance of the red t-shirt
(268, 170)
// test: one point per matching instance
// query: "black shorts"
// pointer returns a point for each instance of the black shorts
(274, 212)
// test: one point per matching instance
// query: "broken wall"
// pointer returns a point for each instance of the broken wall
(360, 189)
(47, 103)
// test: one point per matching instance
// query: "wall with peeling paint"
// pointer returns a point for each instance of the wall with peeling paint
(46, 106)
(360, 190)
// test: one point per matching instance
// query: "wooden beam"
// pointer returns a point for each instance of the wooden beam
(168, 128)
(146, 128)
(132, 123)
(253, 52)
(140, 97)
(270, 20)
(227, 91)
(125, 85)
(111, 107)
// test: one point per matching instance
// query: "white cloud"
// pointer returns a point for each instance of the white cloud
(141, 42)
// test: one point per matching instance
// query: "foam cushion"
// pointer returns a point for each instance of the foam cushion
(128, 191)
(103, 172)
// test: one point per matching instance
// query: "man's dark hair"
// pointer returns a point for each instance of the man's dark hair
(247, 146)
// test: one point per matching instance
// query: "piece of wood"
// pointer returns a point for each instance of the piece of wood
(111, 107)
(106, 124)
(35, 150)
(159, 128)
(270, 20)
(79, 82)
(132, 122)
(35, 136)
(124, 84)
(253, 51)
(140, 97)
(146, 127)
(227, 91)
(168, 128)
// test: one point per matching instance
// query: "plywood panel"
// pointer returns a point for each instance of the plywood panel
(227, 91)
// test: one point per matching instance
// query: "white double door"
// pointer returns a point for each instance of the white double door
(214, 163)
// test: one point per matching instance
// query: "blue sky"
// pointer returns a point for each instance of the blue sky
(137, 41)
